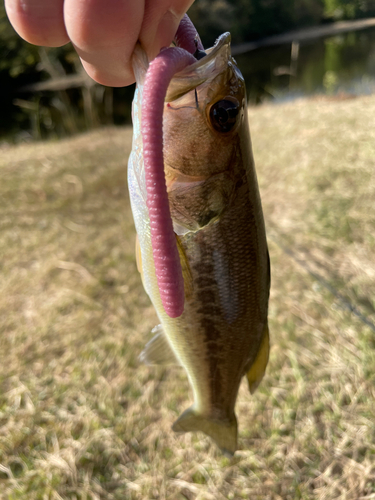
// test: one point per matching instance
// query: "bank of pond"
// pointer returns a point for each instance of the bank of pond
(343, 65)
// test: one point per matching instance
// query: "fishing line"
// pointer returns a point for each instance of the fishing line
(346, 304)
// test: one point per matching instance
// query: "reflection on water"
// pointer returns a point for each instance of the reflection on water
(333, 65)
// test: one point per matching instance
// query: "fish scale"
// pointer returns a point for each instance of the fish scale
(216, 211)
(224, 339)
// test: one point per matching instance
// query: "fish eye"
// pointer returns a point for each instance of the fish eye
(223, 114)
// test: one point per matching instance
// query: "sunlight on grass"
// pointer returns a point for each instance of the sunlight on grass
(81, 419)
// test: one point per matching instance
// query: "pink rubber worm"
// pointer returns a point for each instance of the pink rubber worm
(163, 240)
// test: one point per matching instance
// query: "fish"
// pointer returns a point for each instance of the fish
(220, 333)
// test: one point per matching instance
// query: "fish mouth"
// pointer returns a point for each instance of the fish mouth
(205, 69)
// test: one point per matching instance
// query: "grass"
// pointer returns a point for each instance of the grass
(81, 419)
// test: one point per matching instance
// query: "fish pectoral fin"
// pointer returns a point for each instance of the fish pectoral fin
(158, 351)
(186, 272)
(224, 433)
(258, 368)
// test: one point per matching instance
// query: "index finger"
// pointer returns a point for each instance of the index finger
(39, 22)
(104, 34)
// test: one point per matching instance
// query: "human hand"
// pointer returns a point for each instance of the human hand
(103, 32)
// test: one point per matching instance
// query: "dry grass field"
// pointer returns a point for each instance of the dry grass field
(82, 419)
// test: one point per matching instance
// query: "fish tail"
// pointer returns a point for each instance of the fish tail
(224, 433)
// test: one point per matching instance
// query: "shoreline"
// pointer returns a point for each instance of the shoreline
(305, 34)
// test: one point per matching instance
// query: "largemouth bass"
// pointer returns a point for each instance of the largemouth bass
(218, 233)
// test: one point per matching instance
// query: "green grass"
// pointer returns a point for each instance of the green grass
(81, 419)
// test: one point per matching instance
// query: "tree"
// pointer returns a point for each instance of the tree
(252, 19)
(348, 9)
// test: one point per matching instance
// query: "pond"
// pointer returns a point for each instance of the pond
(341, 64)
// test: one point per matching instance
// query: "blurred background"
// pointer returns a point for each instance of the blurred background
(285, 49)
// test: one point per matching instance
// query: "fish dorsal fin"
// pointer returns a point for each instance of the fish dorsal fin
(258, 368)
(158, 351)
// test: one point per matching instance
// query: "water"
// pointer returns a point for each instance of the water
(341, 64)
